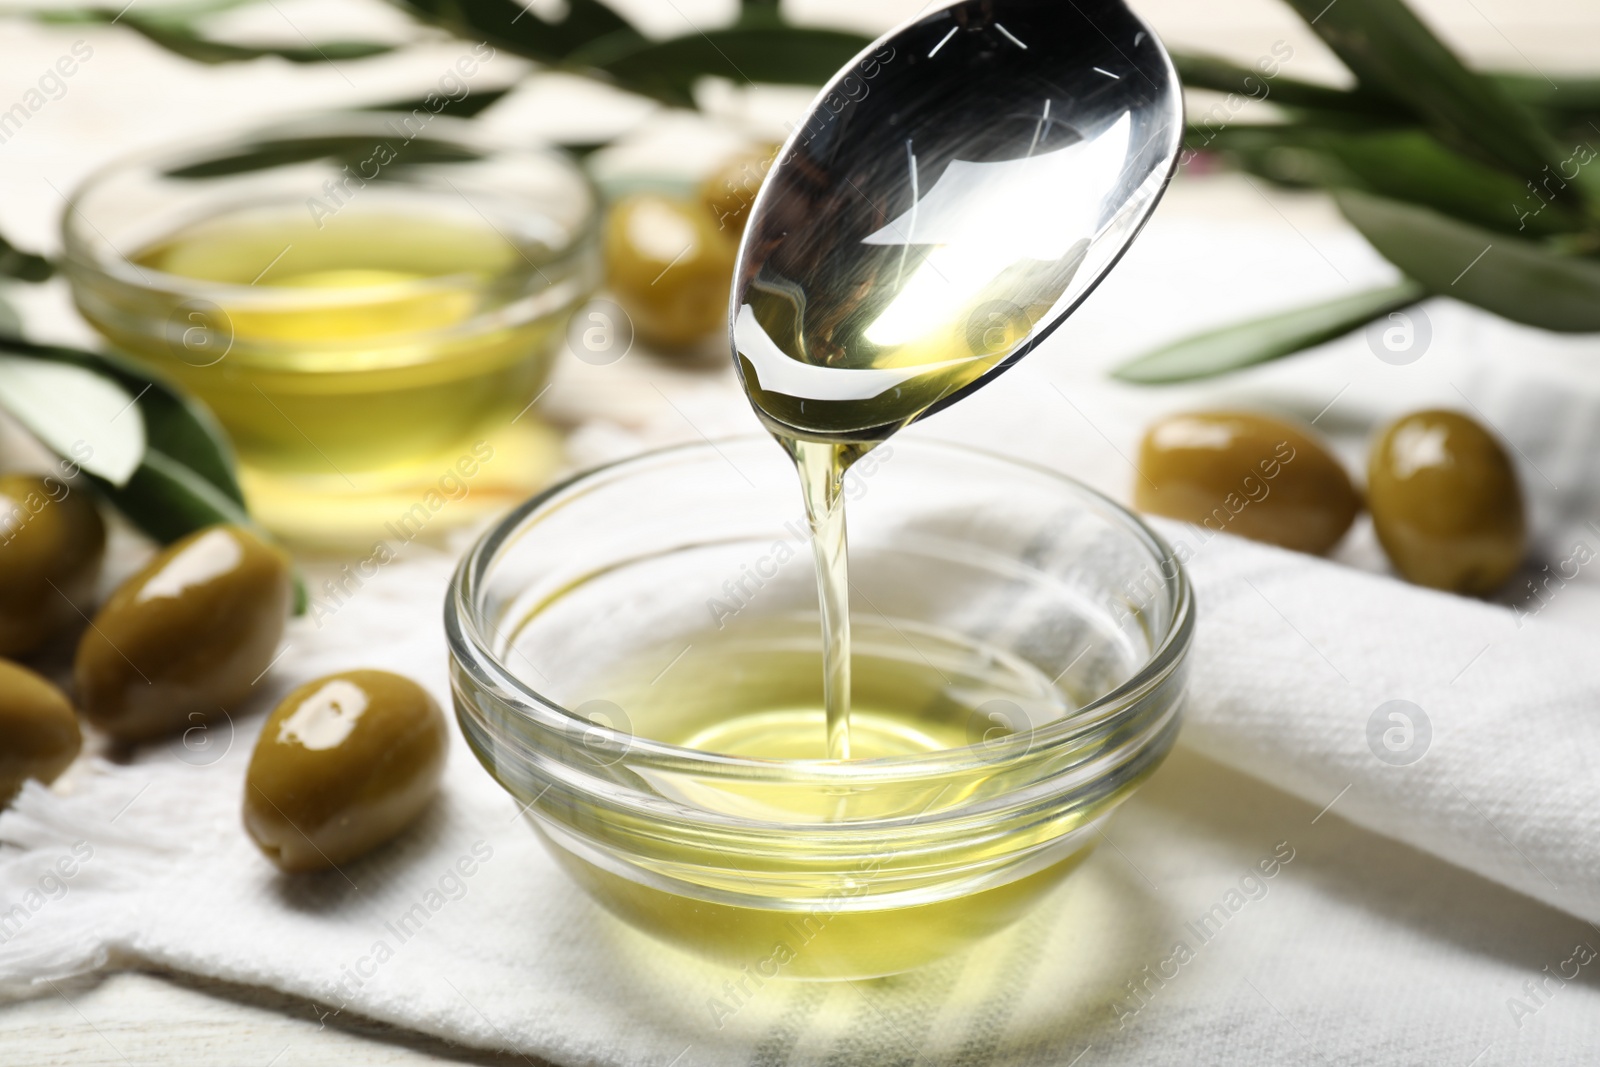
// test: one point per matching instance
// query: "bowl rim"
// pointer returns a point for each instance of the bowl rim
(470, 651)
(78, 247)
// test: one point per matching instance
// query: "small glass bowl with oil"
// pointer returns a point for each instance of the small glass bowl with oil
(637, 659)
(368, 302)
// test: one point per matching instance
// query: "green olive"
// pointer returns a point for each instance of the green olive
(39, 733)
(342, 765)
(670, 268)
(51, 542)
(1446, 504)
(1246, 474)
(186, 637)
(728, 191)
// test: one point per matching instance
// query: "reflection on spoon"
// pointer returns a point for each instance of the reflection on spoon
(985, 217)
(775, 372)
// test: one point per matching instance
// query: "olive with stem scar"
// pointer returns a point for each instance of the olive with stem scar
(343, 764)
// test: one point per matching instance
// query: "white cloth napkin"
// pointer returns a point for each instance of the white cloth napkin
(465, 928)
(1436, 720)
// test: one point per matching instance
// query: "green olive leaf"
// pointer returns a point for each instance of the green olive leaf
(173, 28)
(185, 42)
(180, 13)
(174, 423)
(24, 266)
(1558, 93)
(342, 150)
(168, 500)
(10, 321)
(760, 52)
(1391, 51)
(77, 413)
(182, 481)
(1399, 163)
(475, 104)
(464, 108)
(1224, 76)
(759, 48)
(761, 13)
(1521, 280)
(516, 28)
(1280, 334)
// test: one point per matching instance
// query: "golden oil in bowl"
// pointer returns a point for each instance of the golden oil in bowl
(368, 314)
(360, 339)
(915, 893)
(635, 659)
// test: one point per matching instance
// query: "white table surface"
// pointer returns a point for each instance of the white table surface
(132, 1017)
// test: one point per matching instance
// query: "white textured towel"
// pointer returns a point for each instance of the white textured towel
(466, 928)
(1448, 724)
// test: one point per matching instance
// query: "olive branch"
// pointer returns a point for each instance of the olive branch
(1478, 185)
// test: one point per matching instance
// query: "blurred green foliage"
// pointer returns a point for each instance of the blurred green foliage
(1443, 168)
(1477, 185)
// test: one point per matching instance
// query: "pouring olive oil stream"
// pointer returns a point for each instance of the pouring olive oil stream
(952, 197)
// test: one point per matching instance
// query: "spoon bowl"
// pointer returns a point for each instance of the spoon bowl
(953, 194)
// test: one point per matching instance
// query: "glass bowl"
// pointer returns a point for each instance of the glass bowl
(366, 301)
(610, 636)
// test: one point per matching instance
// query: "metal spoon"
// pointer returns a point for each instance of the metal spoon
(952, 196)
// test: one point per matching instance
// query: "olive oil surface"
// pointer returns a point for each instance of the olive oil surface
(756, 691)
(354, 360)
